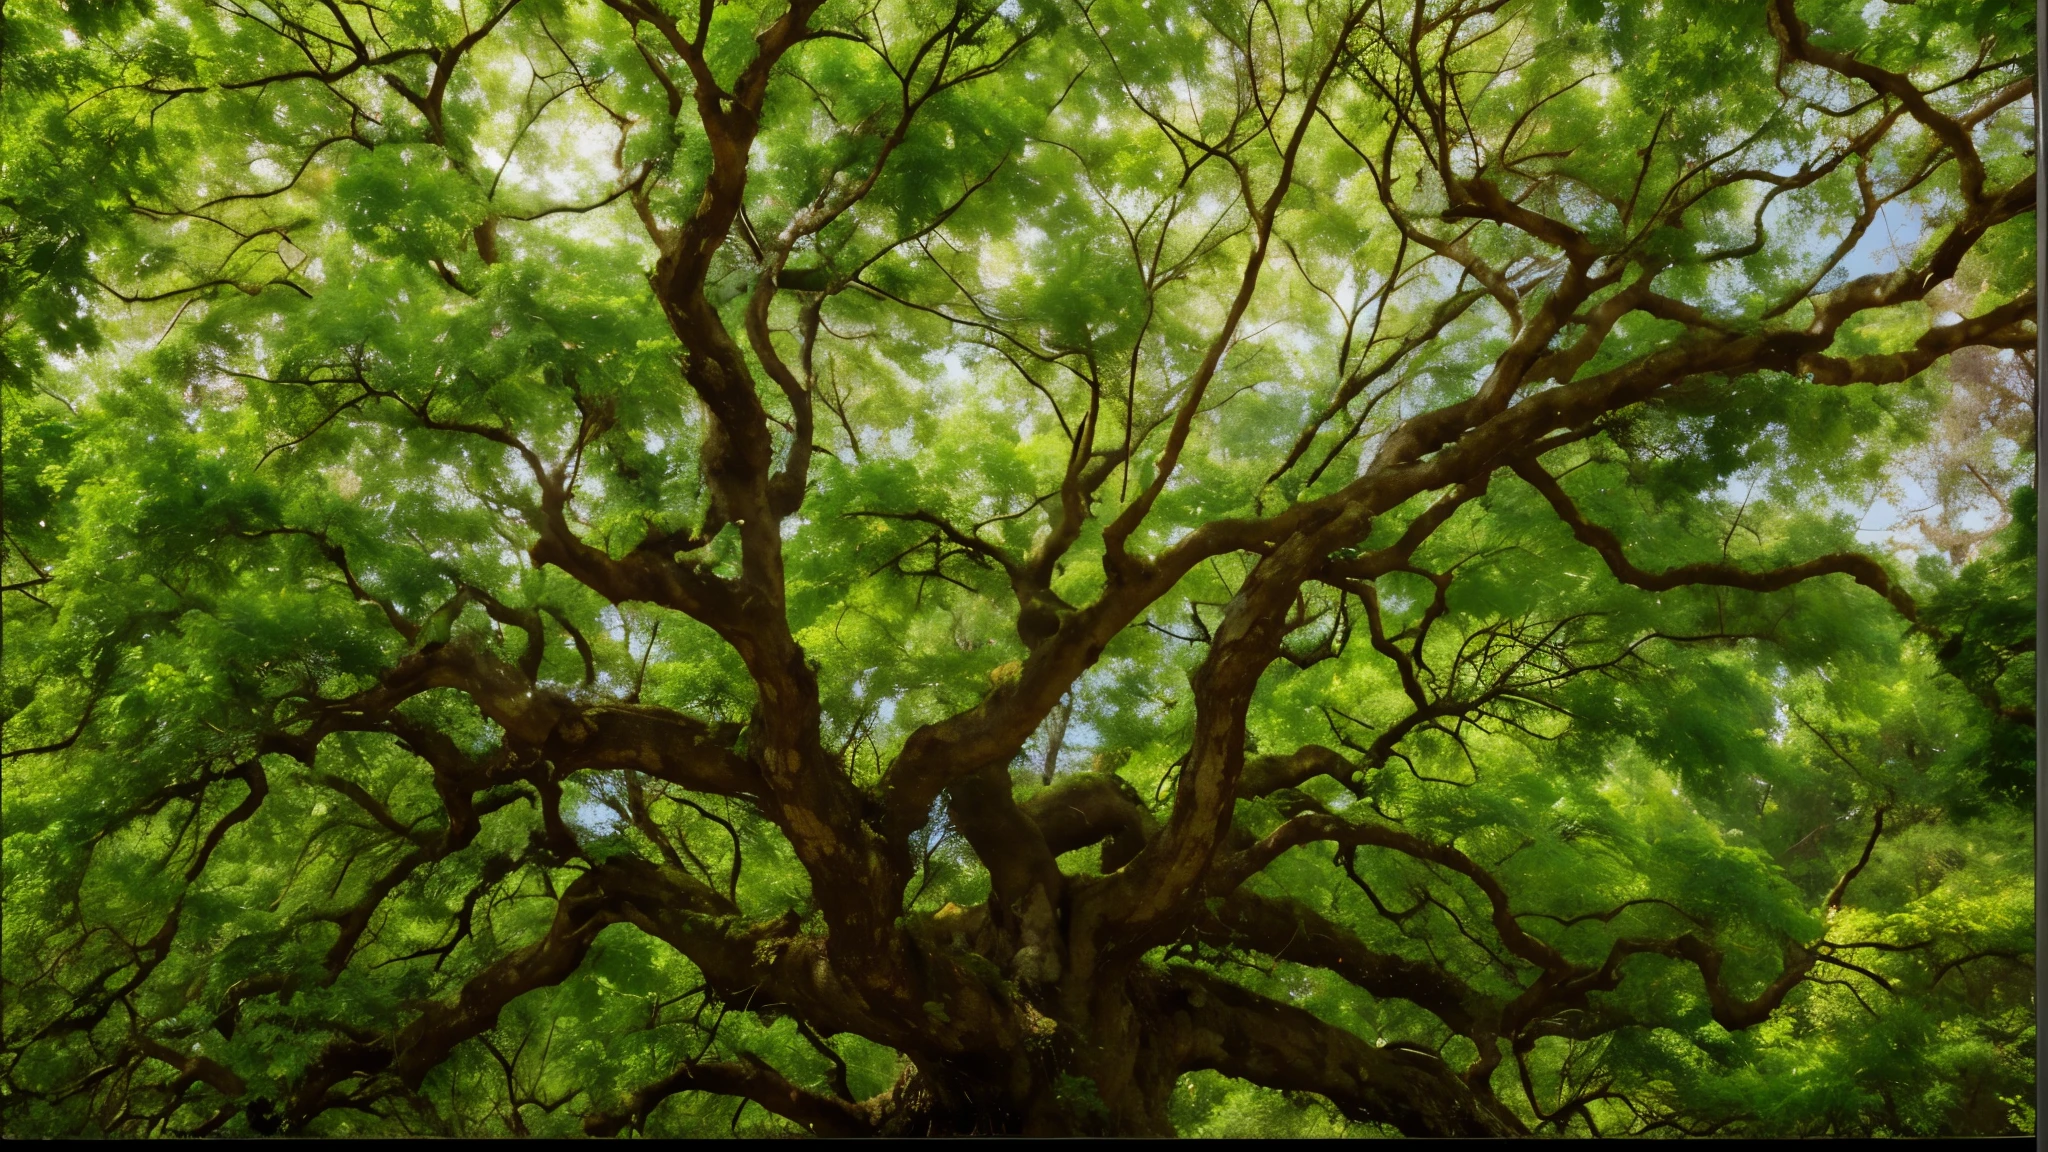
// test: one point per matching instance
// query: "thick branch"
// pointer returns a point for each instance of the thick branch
(1289, 930)
(749, 1076)
(1248, 1036)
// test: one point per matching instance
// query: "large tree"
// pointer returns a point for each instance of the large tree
(1118, 567)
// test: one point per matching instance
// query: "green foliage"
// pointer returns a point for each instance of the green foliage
(302, 336)
(1985, 617)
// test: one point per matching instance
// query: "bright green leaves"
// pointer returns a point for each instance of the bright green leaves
(66, 171)
(1983, 623)
(404, 201)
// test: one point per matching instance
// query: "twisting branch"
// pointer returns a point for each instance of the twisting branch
(1856, 566)
(749, 1077)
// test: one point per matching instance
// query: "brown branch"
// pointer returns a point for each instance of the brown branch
(2019, 958)
(1313, 826)
(1244, 1035)
(750, 1077)
(1792, 36)
(1289, 930)
(66, 742)
(1090, 808)
(1856, 566)
(1728, 1011)
(258, 781)
(1265, 775)
(1841, 888)
(193, 1066)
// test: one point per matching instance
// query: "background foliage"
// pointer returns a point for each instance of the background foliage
(326, 321)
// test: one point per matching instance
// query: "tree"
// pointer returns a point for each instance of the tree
(890, 568)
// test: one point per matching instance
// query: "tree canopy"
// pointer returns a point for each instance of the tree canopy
(887, 567)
